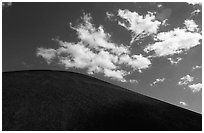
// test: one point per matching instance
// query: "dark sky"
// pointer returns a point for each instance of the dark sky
(26, 27)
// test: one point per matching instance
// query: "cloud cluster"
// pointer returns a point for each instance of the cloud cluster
(185, 80)
(140, 26)
(174, 42)
(195, 87)
(157, 81)
(95, 52)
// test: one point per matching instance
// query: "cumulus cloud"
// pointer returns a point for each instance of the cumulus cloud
(173, 42)
(185, 80)
(191, 25)
(109, 15)
(95, 52)
(157, 81)
(175, 61)
(196, 67)
(183, 103)
(195, 87)
(140, 26)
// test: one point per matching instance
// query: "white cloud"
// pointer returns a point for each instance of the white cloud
(195, 12)
(109, 15)
(157, 81)
(94, 52)
(139, 25)
(191, 25)
(115, 74)
(183, 103)
(194, 2)
(175, 61)
(133, 81)
(173, 42)
(47, 54)
(196, 67)
(185, 80)
(159, 5)
(195, 87)
(137, 62)
(96, 38)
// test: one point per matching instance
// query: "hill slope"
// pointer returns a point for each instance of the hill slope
(54, 100)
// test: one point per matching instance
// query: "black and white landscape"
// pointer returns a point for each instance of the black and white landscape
(58, 100)
(118, 66)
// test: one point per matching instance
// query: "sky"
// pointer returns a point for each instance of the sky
(151, 48)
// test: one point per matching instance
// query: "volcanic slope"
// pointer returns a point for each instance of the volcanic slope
(57, 100)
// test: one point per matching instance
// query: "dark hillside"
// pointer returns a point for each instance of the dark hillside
(57, 100)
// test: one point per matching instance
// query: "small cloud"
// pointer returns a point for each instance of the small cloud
(157, 81)
(109, 15)
(175, 61)
(194, 2)
(185, 80)
(47, 54)
(183, 103)
(195, 12)
(196, 67)
(115, 74)
(140, 26)
(190, 25)
(195, 87)
(159, 5)
(133, 81)
(137, 62)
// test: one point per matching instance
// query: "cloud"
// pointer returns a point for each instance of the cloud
(133, 81)
(109, 15)
(195, 87)
(137, 62)
(157, 81)
(183, 103)
(175, 61)
(48, 54)
(185, 80)
(115, 74)
(159, 5)
(196, 67)
(194, 2)
(195, 12)
(173, 42)
(140, 26)
(94, 52)
(191, 25)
